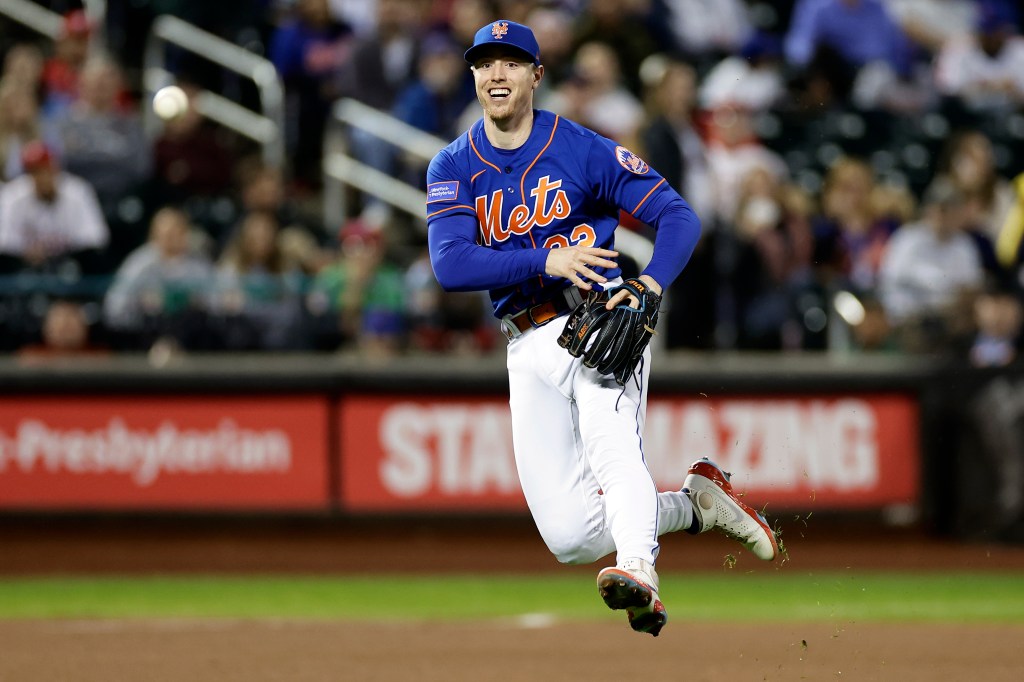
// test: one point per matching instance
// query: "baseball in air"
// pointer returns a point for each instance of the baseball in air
(170, 102)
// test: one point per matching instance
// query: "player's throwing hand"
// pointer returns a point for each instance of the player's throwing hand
(575, 263)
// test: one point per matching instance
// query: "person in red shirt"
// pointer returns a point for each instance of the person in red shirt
(60, 73)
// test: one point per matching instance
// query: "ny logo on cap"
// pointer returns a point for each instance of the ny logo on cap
(499, 29)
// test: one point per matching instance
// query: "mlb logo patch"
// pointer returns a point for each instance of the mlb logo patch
(442, 191)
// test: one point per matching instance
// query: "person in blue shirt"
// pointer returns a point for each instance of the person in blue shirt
(843, 36)
(309, 53)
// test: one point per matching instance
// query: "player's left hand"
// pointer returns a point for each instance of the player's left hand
(622, 295)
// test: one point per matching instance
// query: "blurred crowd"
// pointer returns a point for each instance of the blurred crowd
(857, 166)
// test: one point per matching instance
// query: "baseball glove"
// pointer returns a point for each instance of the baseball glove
(612, 341)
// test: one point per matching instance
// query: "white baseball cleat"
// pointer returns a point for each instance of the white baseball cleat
(633, 586)
(717, 506)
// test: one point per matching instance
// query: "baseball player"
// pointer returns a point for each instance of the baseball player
(525, 205)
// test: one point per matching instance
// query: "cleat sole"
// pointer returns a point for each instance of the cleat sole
(621, 591)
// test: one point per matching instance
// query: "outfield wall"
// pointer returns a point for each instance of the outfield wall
(335, 434)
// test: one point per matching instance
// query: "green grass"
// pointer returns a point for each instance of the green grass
(823, 596)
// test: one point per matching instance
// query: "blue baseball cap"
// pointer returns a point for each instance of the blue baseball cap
(995, 15)
(506, 34)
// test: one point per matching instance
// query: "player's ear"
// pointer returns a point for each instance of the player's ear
(538, 74)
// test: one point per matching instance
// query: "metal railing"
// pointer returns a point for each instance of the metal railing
(266, 128)
(36, 17)
(341, 168)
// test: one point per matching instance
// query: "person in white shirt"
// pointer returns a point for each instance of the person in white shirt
(752, 79)
(985, 70)
(929, 265)
(46, 213)
(703, 27)
(160, 283)
(611, 108)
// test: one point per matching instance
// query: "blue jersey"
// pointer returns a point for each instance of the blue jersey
(563, 187)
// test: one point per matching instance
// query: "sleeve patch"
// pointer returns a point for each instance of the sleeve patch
(630, 161)
(442, 191)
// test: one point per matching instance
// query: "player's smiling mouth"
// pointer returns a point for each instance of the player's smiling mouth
(499, 93)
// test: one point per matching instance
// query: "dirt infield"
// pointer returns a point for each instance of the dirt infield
(291, 651)
(530, 649)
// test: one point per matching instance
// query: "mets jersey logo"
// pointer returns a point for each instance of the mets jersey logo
(499, 29)
(550, 203)
(630, 161)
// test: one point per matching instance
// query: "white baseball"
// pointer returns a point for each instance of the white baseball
(170, 102)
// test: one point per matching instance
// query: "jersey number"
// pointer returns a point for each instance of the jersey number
(582, 235)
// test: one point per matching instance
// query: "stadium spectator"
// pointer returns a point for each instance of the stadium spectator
(998, 317)
(358, 301)
(191, 157)
(360, 15)
(930, 269)
(48, 215)
(102, 141)
(968, 161)
(752, 79)
(262, 189)
(554, 31)
(309, 52)
(619, 26)
(19, 125)
(670, 140)
(772, 278)
(66, 333)
(384, 63)
(671, 143)
(442, 321)
(735, 151)
(444, 88)
(839, 37)
(708, 30)
(570, 98)
(856, 221)
(610, 109)
(464, 17)
(23, 67)
(161, 291)
(258, 294)
(985, 70)
(61, 71)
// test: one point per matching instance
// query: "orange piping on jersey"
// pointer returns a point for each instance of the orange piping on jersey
(451, 208)
(479, 155)
(522, 183)
(646, 196)
(522, 180)
(473, 179)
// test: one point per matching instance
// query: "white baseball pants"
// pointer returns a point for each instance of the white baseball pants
(578, 441)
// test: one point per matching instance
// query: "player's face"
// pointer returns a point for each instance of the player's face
(505, 82)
